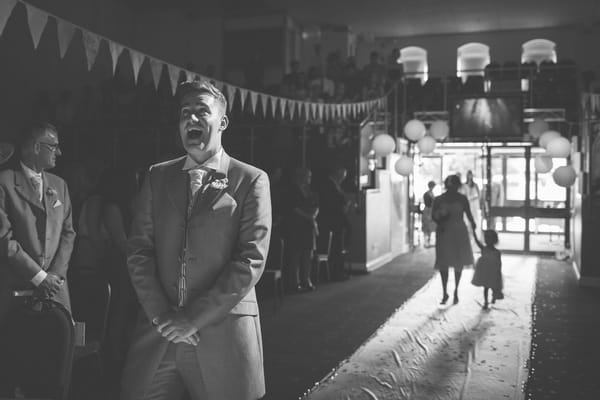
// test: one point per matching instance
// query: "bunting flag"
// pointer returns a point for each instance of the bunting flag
(274, 103)
(91, 43)
(115, 51)
(37, 20)
(156, 67)
(253, 100)
(173, 77)
(65, 32)
(243, 94)
(263, 103)
(6, 8)
(137, 59)
(230, 95)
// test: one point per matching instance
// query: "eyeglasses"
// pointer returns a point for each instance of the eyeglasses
(54, 147)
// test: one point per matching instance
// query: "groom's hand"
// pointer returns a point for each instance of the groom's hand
(176, 327)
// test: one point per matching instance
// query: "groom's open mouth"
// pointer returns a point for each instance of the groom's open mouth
(194, 134)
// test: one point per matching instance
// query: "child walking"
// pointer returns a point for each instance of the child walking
(488, 268)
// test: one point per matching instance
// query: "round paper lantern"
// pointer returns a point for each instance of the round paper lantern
(547, 137)
(439, 130)
(426, 144)
(537, 127)
(558, 147)
(383, 145)
(414, 130)
(564, 176)
(404, 166)
(543, 164)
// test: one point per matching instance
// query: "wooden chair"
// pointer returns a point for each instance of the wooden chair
(274, 270)
(90, 300)
(321, 256)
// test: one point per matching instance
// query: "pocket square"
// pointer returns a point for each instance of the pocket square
(57, 203)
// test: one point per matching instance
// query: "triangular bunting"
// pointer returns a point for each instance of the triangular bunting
(65, 32)
(273, 105)
(253, 100)
(37, 22)
(263, 103)
(230, 95)
(306, 110)
(292, 107)
(6, 7)
(243, 94)
(189, 75)
(283, 106)
(91, 43)
(115, 51)
(173, 77)
(321, 109)
(313, 110)
(137, 59)
(156, 67)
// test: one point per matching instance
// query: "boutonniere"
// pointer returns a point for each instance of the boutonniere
(219, 181)
(50, 192)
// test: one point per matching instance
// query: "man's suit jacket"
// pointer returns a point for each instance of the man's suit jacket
(36, 234)
(226, 237)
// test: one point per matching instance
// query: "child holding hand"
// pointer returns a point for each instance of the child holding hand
(488, 268)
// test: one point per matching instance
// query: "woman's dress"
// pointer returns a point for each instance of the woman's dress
(488, 270)
(452, 246)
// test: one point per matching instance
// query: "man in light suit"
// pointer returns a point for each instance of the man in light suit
(36, 232)
(198, 247)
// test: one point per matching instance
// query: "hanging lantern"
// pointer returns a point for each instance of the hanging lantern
(543, 164)
(537, 127)
(414, 130)
(404, 166)
(547, 137)
(558, 147)
(383, 145)
(426, 144)
(439, 130)
(564, 176)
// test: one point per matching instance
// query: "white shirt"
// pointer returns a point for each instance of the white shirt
(31, 174)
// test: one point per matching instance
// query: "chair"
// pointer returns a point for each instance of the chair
(37, 350)
(90, 298)
(274, 269)
(321, 255)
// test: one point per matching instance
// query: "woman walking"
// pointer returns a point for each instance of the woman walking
(452, 246)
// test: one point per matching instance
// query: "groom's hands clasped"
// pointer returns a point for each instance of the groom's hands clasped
(176, 327)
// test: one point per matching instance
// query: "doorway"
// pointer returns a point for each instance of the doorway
(527, 209)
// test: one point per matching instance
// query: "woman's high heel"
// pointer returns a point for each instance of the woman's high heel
(444, 299)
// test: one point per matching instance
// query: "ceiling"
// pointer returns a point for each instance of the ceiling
(418, 17)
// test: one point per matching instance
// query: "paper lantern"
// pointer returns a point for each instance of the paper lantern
(426, 144)
(543, 164)
(404, 166)
(414, 130)
(537, 127)
(547, 137)
(558, 147)
(439, 130)
(383, 145)
(564, 176)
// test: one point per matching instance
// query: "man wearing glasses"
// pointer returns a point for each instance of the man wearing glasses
(35, 221)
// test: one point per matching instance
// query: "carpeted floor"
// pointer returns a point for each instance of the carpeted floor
(311, 333)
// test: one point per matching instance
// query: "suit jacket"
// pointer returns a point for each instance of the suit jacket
(35, 234)
(226, 236)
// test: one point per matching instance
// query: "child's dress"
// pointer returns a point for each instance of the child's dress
(488, 271)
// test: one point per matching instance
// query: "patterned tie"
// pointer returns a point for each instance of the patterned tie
(196, 179)
(36, 181)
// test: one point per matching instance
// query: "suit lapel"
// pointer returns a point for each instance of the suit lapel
(178, 187)
(26, 189)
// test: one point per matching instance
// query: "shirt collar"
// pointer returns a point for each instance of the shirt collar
(29, 172)
(212, 163)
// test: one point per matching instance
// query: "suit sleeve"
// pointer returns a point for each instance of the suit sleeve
(247, 263)
(141, 259)
(22, 264)
(60, 262)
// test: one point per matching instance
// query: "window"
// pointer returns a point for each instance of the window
(414, 63)
(471, 59)
(538, 50)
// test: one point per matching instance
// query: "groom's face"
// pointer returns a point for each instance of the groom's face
(201, 122)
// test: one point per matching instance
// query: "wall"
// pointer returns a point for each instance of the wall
(572, 42)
